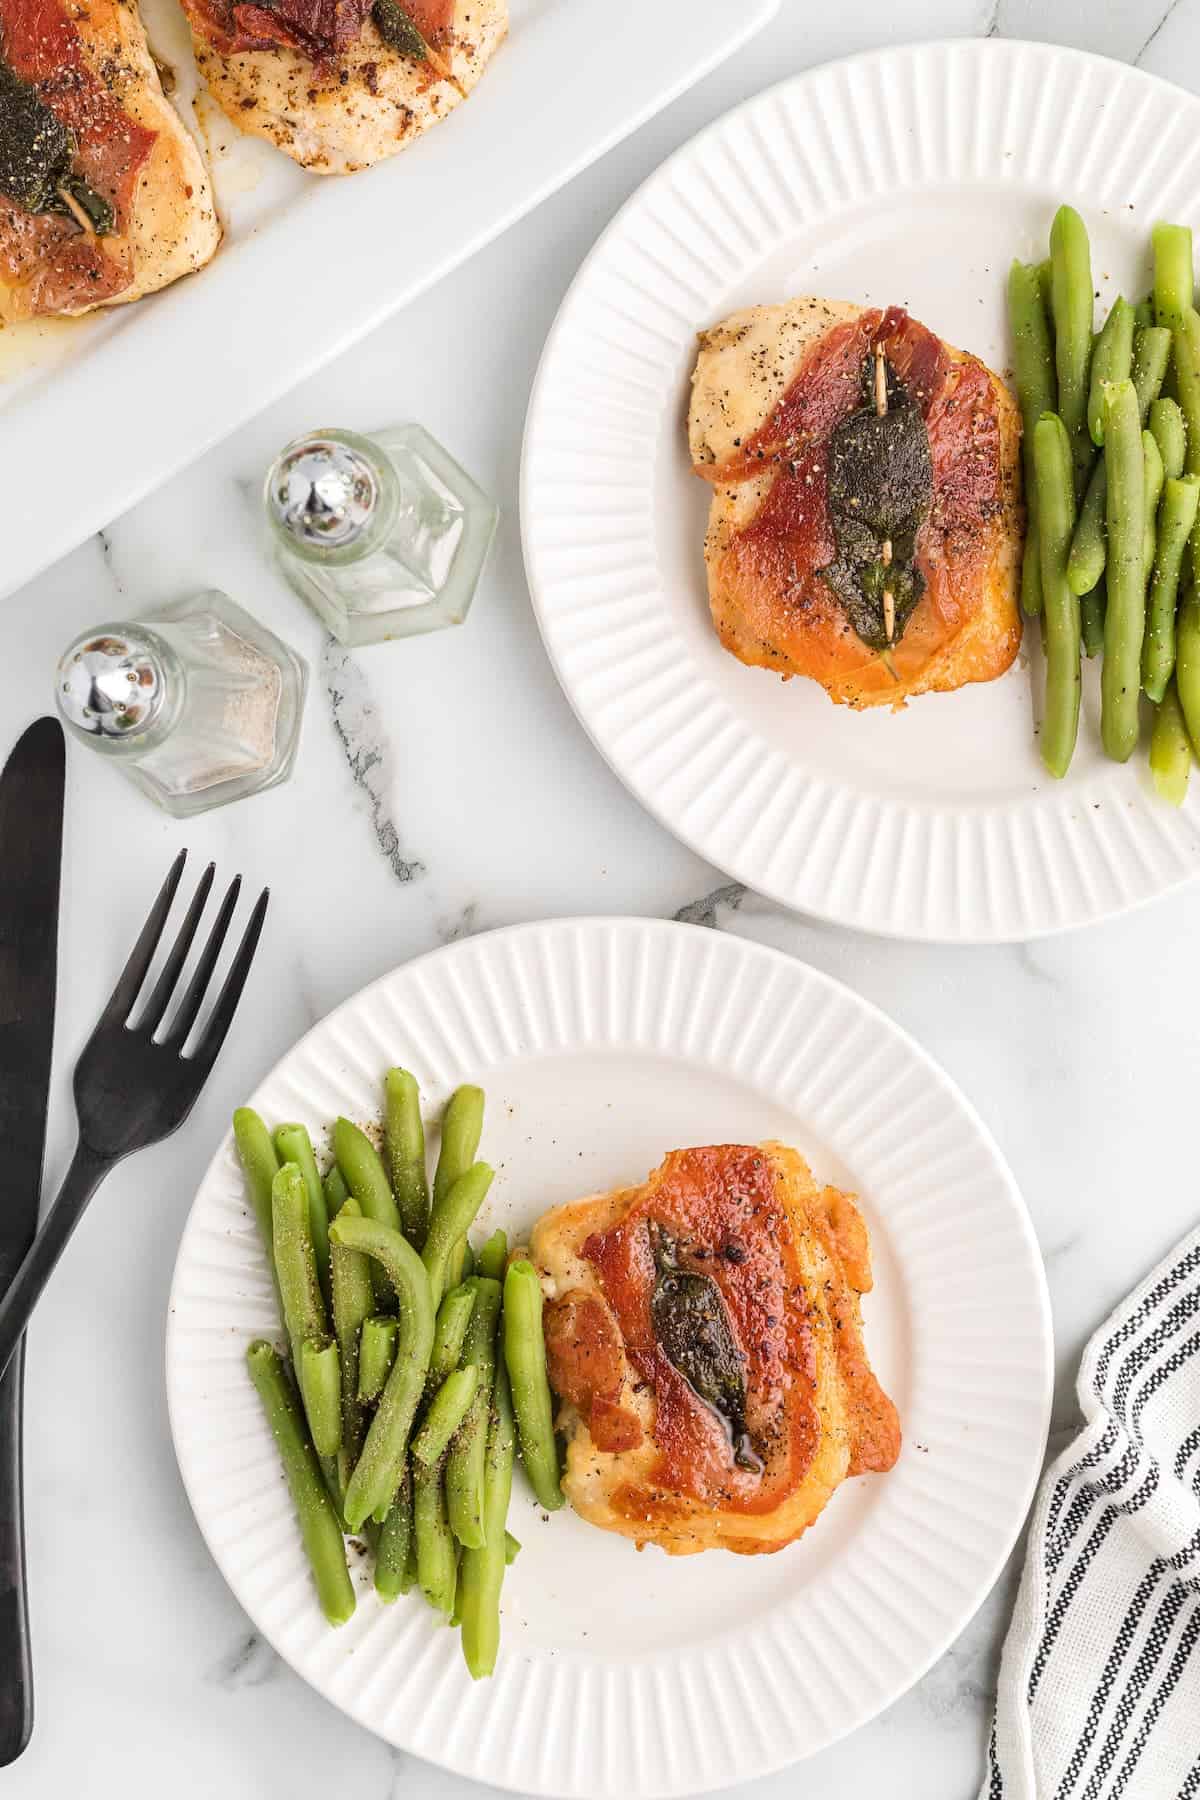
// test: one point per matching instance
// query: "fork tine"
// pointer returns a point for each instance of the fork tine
(164, 987)
(231, 991)
(129, 984)
(193, 997)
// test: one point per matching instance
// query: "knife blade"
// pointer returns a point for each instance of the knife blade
(31, 823)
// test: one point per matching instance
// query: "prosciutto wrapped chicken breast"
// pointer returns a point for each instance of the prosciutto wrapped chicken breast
(341, 84)
(103, 194)
(703, 1333)
(865, 525)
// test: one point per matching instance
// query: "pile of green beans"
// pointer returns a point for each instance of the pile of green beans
(1112, 551)
(408, 1387)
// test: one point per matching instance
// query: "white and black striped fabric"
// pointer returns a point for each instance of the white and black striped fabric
(1099, 1689)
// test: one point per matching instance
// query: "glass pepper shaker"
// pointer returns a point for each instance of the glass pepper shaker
(383, 537)
(198, 704)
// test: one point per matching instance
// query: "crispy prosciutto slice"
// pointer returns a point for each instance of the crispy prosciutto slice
(865, 522)
(704, 1338)
(87, 104)
(341, 84)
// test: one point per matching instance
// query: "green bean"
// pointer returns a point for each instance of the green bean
(364, 1173)
(319, 1527)
(462, 1128)
(1151, 354)
(1044, 288)
(1185, 345)
(1071, 301)
(454, 1315)
(408, 1580)
(365, 1176)
(1170, 749)
(1174, 280)
(436, 1549)
(395, 1542)
(494, 1255)
(524, 1345)
(295, 1262)
(1152, 467)
(1187, 661)
(1037, 392)
(320, 1379)
(1124, 621)
(447, 1410)
(1176, 517)
(512, 1548)
(379, 1469)
(336, 1192)
(1170, 434)
(483, 1566)
(376, 1354)
(1112, 360)
(453, 1213)
(462, 1263)
(260, 1165)
(1143, 313)
(353, 1300)
(295, 1146)
(464, 1464)
(1085, 565)
(405, 1138)
(1092, 607)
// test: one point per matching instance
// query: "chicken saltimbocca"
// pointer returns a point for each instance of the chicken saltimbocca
(703, 1333)
(103, 194)
(341, 84)
(865, 526)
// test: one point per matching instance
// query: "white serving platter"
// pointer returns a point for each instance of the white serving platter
(602, 1044)
(95, 413)
(910, 175)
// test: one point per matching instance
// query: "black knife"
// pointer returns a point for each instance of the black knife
(31, 822)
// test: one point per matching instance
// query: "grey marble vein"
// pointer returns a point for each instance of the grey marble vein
(250, 1663)
(104, 545)
(367, 749)
(1155, 33)
(704, 910)
(462, 924)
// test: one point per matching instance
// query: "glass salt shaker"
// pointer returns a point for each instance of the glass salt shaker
(383, 537)
(198, 704)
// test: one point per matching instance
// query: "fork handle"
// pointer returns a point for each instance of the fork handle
(16, 1682)
(84, 1176)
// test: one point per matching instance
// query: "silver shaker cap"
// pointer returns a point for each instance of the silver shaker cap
(111, 684)
(323, 492)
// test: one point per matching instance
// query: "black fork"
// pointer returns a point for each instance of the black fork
(132, 1089)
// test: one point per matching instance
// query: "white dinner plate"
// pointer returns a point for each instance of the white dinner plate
(912, 175)
(96, 412)
(602, 1044)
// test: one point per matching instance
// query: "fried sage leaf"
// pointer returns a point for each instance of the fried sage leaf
(880, 489)
(398, 31)
(35, 146)
(36, 151)
(692, 1326)
(98, 211)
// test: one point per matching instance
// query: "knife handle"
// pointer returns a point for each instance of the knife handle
(16, 1666)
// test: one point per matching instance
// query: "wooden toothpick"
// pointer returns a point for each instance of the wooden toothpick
(76, 211)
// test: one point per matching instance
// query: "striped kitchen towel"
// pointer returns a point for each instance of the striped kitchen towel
(1099, 1689)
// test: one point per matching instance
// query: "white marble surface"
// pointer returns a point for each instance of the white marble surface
(443, 787)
